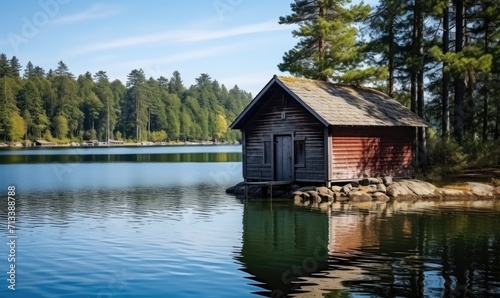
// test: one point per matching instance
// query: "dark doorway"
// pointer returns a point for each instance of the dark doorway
(283, 158)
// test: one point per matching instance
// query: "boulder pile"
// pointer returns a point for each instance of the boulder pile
(377, 190)
(364, 190)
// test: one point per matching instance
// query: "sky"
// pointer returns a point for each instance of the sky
(236, 42)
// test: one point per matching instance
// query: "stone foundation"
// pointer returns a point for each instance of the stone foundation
(374, 190)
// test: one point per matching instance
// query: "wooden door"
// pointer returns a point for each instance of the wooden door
(283, 158)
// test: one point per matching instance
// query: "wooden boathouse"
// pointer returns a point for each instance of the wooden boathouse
(302, 130)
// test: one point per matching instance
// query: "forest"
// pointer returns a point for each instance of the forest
(440, 58)
(57, 106)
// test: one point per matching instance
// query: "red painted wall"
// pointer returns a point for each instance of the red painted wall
(372, 152)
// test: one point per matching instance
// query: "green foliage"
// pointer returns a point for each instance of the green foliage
(60, 124)
(16, 127)
(92, 107)
(118, 135)
(469, 59)
(481, 153)
(220, 125)
(90, 135)
(327, 38)
(446, 157)
(158, 136)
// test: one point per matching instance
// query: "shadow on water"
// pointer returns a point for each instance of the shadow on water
(389, 251)
(282, 244)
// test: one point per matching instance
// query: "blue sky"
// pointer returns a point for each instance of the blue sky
(234, 41)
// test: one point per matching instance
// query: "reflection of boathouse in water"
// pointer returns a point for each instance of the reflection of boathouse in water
(282, 243)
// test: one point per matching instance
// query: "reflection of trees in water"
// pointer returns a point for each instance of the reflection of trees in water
(439, 252)
(174, 202)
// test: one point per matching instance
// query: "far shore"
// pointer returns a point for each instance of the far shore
(104, 144)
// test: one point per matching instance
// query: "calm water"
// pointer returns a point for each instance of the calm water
(161, 228)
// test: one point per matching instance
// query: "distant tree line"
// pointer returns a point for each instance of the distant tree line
(56, 105)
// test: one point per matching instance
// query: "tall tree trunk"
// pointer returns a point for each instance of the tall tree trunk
(486, 91)
(469, 108)
(422, 150)
(390, 85)
(497, 124)
(458, 127)
(322, 47)
(445, 101)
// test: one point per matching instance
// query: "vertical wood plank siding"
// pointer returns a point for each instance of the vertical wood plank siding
(371, 151)
(299, 123)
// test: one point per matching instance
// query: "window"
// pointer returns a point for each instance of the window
(267, 151)
(284, 100)
(299, 152)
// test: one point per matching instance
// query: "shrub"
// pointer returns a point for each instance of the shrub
(446, 156)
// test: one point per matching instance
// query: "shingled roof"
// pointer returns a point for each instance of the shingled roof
(340, 105)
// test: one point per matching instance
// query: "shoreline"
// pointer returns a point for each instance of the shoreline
(374, 190)
(5, 146)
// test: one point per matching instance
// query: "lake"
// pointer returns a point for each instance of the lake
(156, 222)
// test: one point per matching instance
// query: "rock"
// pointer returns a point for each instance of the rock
(342, 198)
(306, 196)
(365, 189)
(336, 196)
(419, 188)
(451, 194)
(364, 182)
(326, 197)
(295, 187)
(355, 183)
(380, 197)
(324, 190)
(374, 181)
(239, 190)
(307, 188)
(481, 189)
(336, 188)
(397, 191)
(347, 188)
(297, 200)
(381, 188)
(230, 190)
(497, 190)
(314, 196)
(358, 196)
(387, 180)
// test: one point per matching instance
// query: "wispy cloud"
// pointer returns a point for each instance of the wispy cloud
(186, 56)
(181, 36)
(94, 12)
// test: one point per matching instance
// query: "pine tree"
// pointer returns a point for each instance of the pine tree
(91, 105)
(30, 104)
(327, 38)
(15, 67)
(8, 107)
(29, 71)
(5, 69)
(135, 104)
